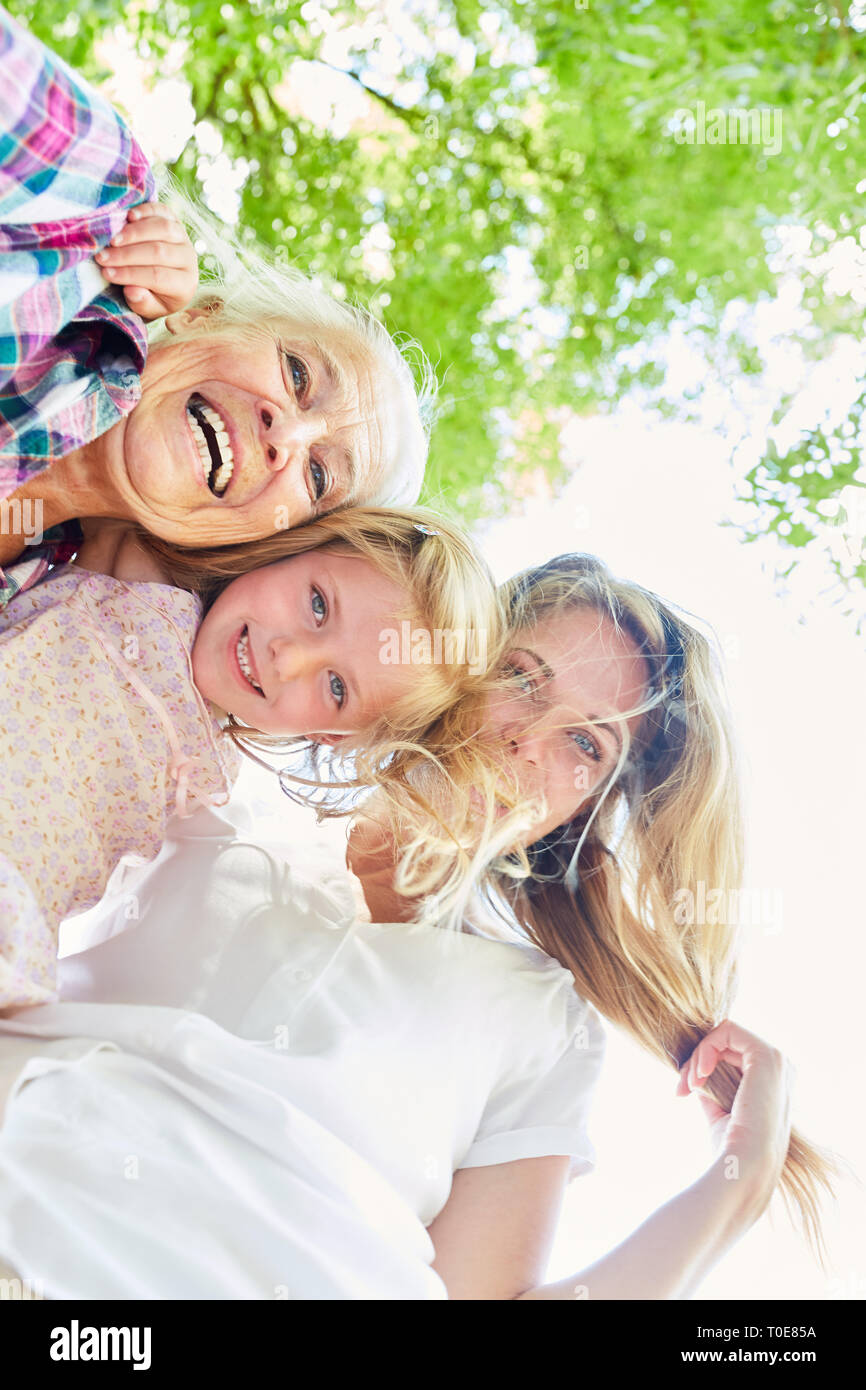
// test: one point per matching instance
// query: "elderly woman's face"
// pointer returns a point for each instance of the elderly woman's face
(243, 432)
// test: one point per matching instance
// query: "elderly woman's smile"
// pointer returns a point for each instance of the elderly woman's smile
(212, 436)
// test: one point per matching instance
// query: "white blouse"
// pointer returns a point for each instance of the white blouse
(252, 1092)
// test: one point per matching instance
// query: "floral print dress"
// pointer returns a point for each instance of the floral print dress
(103, 736)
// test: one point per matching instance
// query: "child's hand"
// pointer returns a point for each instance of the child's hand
(153, 258)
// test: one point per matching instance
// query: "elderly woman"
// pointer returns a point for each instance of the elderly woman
(264, 404)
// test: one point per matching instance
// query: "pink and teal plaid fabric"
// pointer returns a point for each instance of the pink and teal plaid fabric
(71, 352)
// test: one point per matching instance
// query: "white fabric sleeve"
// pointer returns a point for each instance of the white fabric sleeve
(544, 1110)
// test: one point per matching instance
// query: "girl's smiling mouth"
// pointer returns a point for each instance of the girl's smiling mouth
(244, 661)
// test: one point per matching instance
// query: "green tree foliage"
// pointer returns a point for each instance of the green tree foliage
(816, 479)
(524, 173)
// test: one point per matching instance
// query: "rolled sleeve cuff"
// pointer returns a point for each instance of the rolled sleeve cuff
(539, 1142)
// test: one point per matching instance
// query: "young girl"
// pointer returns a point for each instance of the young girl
(118, 671)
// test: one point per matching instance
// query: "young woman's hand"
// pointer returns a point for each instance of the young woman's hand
(154, 260)
(756, 1133)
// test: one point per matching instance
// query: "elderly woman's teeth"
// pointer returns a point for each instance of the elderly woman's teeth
(220, 480)
(200, 442)
(212, 441)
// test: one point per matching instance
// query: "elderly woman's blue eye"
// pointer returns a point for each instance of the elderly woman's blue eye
(338, 690)
(320, 480)
(300, 375)
(318, 605)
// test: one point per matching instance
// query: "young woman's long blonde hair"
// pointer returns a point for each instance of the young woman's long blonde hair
(605, 894)
(451, 615)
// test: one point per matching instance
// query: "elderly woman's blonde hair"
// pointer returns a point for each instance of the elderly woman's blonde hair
(245, 287)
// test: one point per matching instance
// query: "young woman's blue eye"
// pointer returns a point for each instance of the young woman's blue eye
(587, 745)
(338, 690)
(319, 606)
(299, 374)
(521, 678)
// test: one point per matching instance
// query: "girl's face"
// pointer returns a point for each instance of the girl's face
(570, 669)
(295, 647)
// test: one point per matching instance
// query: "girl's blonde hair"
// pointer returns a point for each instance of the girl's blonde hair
(450, 629)
(246, 288)
(604, 894)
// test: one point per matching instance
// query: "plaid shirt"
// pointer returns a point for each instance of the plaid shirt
(71, 352)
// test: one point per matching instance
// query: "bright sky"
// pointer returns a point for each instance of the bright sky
(648, 497)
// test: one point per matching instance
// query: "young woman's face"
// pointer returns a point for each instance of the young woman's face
(295, 647)
(241, 433)
(570, 669)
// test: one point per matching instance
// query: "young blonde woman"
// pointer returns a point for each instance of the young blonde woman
(117, 674)
(617, 733)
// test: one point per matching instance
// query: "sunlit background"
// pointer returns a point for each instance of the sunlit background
(662, 502)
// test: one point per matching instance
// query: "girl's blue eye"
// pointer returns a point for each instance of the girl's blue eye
(587, 745)
(338, 690)
(299, 374)
(318, 605)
